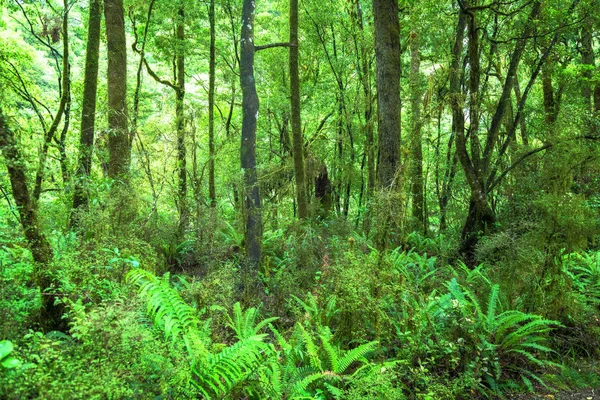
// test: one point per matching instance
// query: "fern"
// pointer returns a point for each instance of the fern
(169, 312)
(215, 375)
(308, 363)
(514, 340)
(244, 322)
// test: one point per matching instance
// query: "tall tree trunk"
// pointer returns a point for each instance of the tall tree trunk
(588, 58)
(211, 108)
(301, 198)
(180, 118)
(50, 314)
(64, 90)
(250, 107)
(66, 87)
(387, 55)
(119, 141)
(418, 199)
(88, 110)
(119, 145)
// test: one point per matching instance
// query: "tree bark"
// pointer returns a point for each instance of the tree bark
(180, 122)
(298, 141)
(250, 107)
(588, 59)
(418, 198)
(88, 111)
(211, 108)
(387, 55)
(119, 144)
(50, 314)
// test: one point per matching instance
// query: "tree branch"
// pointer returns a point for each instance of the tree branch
(270, 45)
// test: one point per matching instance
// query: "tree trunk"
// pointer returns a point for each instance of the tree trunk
(250, 107)
(418, 199)
(64, 90)
(588, 59)
(387, 52)
(88, 111)
(119, 145)
(301, 198)
(180, 120)
(211, 108)
(50, 314)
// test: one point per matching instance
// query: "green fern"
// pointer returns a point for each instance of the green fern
(170, 313)
(308, 363)
(512, 342)
(215, 375)
(244, 322)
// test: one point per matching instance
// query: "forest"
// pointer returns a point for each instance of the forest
(300, 199)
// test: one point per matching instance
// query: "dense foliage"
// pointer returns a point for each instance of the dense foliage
(299, 199)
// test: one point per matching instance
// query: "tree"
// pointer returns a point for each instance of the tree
(387, 55)
(180, 118)
(250, 108)
(88, 110)
(211, 107)
(119, 143)
(297, 137)
(417, 181)
(50, 314)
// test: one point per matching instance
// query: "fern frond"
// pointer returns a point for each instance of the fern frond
(355, 355)
(492, 304)
(169, 312)
(220, 373)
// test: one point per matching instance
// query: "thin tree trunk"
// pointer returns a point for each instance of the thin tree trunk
(301, 198)
(587, 58)
(62, 145)
(250, 107)
(180, 118)
(418, 199)
(88, 111)
(211, 105)
(64, 99)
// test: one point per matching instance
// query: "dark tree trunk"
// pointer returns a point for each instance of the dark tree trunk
(323, 190)
(250, 108)
(119, 145)
(50, 314)
(301, 198)
(548, 92)
(88, 110)
(588, 58)
(387, 52)
(418, 198)
(180, 121)
(211, 108)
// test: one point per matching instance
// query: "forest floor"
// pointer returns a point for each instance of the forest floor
(585, 394)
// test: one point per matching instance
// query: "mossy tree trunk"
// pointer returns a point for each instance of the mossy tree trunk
(298, 140)
(387, 56)
(50, 314)
(211, 108)
(250, 107)
(417, 181)
(88, 111)
(180, 122)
